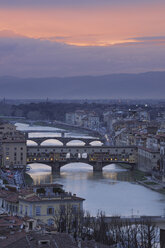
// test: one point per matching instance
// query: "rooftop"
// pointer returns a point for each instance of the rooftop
(8, 221)
(12, 197)
(149, 150)
(52, 197)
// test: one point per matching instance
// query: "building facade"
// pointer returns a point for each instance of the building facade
(148, 160)
(12, 147)
(41, 202)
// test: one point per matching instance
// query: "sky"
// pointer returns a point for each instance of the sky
(42, 38)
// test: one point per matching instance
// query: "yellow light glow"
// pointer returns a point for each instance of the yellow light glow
(101, 43)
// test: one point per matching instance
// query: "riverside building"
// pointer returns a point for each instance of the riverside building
(41, 202)
(12, 147)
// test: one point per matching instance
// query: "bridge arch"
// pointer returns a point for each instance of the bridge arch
(51, 142)
(75, 143)
(42, 167)
(81, 166)
(31, 143)
(96, 143)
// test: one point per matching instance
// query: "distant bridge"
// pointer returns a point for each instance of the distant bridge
(65, 140)
(26, 132)
(96, 156)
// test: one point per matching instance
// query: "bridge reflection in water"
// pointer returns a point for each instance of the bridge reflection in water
(113, 190)
(41, 173)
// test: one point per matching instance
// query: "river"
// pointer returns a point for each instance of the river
(113, 191)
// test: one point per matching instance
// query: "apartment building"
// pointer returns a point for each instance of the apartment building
(12, 147)
(42, 202)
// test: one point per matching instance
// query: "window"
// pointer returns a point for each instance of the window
(26, 210)
(21, 156)
(21, 209)
(50, 211)
(38, 211)
(30, 210)
(74, 208)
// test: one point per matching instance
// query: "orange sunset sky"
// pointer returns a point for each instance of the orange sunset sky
(121, 27)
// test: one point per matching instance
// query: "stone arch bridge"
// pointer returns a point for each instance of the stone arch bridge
(96, 156)
(64, 140)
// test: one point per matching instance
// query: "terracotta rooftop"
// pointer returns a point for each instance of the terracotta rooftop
(33, 198)
(149, 150)
(12, 197)
(60, 240)
(3, 193)
(16, 240)
(36, 198)
(23, 192)
(6, 221)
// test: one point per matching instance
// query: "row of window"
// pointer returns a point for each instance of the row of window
(50, 210)
(15, 148)
(11, 208)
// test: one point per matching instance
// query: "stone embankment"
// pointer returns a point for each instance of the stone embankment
(153, 184)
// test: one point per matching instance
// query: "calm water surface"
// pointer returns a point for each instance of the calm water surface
(112, 191)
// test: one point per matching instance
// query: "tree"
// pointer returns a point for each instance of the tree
(69, 220)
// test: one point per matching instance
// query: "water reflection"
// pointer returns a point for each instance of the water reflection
(113, 191)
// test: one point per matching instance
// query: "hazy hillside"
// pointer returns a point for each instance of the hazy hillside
(144, 85)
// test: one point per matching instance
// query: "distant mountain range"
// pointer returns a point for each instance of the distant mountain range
(143, 85)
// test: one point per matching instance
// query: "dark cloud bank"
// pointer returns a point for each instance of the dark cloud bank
(143, 85)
